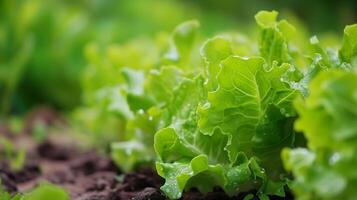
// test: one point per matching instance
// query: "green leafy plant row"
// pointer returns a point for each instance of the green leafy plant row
(220, 114)
(42, 45)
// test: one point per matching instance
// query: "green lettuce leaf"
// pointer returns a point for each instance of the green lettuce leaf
(183, 39)
(249, 98)
(348, 51)
(47, 191)
(213, 52)
(274, 36)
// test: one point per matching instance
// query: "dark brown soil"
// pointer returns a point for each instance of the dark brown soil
(86, 176)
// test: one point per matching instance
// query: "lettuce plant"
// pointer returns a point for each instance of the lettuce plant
(227, 126)
(326, 169)
(127, 88)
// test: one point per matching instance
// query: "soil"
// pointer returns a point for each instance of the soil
(86, 175)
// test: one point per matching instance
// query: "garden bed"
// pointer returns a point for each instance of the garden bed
(84, 174)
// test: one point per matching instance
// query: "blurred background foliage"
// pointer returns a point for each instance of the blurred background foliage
(44, 45)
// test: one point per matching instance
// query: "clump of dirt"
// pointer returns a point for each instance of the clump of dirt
(41, 114)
